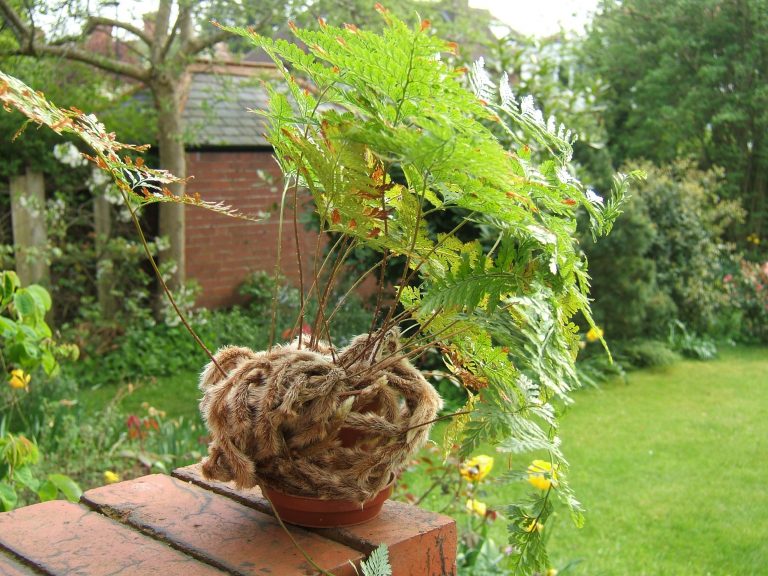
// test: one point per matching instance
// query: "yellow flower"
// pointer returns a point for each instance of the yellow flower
(111, 477)
(551, 572)
(476, 507)
(534, 525)
(542, 475)
(19, 379)
(754, 239)
(477, 468)
(594, 334)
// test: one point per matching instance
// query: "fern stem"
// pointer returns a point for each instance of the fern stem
(164, 286)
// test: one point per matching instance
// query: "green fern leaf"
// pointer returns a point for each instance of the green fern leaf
(377, 563)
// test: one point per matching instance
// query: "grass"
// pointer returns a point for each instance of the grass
(671, 468)
(177, 395)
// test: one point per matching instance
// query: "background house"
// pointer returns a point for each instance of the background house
(231, 162)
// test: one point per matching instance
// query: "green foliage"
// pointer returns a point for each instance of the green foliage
(689, 344)
(645, 354)
(26, 341)
(377, 563)
(687, 78)
(68, 84)
(26, 349)
(666, 257)
(747, 289)
(138, 184)
(406, 144)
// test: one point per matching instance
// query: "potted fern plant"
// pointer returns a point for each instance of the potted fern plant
(401, 158)
(401, 155)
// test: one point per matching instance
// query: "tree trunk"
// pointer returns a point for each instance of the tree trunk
(30, 234)
(168, 96)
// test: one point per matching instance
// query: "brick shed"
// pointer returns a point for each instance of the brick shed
(231, 162)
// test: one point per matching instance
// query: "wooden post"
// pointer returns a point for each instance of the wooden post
(30, 233)
(102, 224)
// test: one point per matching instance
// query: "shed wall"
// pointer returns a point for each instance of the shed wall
(222, 251)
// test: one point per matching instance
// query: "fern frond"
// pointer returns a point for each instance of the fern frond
(377, 563)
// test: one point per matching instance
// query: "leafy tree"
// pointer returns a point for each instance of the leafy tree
(688, 77)
(158, 57)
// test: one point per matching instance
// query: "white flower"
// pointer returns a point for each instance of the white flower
(593, 197)
(68, 154)
(98, 180)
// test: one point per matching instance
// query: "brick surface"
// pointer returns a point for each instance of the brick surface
(218, 529)
(420, 543)
(222, 251)
(10, 567)
(64, 538)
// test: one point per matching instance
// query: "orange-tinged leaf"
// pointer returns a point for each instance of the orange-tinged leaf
(335, 216)
(425, 24)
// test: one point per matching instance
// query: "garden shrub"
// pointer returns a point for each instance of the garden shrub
(664, 262)
(29, 359)
(148, 349)
(747, 289)
(643, 353)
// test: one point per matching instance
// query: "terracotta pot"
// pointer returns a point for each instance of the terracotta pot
(318, 513)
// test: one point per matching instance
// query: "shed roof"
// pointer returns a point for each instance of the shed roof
(217, 104)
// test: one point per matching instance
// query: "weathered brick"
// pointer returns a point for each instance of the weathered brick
(420, 543)
(11, 567)
(217, 529)
(64, 538)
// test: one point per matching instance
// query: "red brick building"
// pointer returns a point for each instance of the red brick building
(231, 162)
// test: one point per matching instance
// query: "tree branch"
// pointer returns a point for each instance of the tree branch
(27, 47)
(195, 45)
(172, 35)
(87, 57)
(162, 19)
(20, 30)
(94, 21)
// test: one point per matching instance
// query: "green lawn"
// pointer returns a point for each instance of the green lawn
(177, 395)
(672, 470)
(670, 466)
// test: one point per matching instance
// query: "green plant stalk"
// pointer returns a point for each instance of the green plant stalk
(166, 290)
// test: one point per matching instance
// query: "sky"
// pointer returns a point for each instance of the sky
(540, 17)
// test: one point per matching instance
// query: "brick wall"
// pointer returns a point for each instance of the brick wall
(222, 251)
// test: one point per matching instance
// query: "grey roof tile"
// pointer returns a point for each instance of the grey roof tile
(216, 113)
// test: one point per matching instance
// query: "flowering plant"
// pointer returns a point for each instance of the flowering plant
(747, 289)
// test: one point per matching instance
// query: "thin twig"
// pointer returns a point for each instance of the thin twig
(167, 291)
